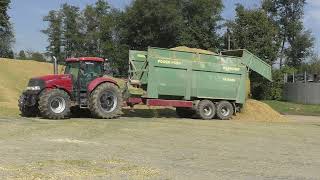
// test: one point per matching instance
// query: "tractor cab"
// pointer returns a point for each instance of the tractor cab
(83, 71)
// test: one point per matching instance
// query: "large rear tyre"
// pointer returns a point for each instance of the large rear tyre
(105, 101)
(225, 110)
(206, 110)
(185, 112)
(54, 104)
(27, 111)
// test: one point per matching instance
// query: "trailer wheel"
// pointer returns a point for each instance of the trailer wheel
(27, 111)
(54, 104)
(225, 110)
(185, 112)
(206, 110)
(106, 101)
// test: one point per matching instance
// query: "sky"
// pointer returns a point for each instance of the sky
(27, 15)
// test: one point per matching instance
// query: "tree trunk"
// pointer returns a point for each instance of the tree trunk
(282, 52)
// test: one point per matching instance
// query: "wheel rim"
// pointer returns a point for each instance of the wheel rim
(58, 105)
(225, 111)
(207, 110)
(108, 101)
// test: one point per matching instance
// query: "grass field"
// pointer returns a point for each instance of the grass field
(294, 109)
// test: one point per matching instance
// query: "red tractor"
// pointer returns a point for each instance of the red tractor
(82, 86)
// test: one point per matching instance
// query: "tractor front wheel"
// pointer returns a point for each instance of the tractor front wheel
(27, 111)
(54, 104)
(105, 101)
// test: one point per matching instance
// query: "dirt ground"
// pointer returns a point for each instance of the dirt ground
(159, 148)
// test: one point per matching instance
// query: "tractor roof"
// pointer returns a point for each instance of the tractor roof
(95, 59)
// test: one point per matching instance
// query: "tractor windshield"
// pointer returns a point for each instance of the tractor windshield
(73, 69)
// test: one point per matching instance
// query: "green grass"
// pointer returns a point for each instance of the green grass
(289, 108)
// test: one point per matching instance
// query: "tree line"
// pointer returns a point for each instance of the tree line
(274, 31)
(6, 32)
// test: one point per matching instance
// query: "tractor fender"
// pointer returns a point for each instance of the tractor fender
(95, 83)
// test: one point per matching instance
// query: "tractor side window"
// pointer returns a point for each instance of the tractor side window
(93, 69)
(73, 69)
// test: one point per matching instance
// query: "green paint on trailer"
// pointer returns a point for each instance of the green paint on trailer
(171, 74)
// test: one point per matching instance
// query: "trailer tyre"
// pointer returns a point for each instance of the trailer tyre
(225, 110)
(106, 101)
(27, 111)
(54, 104)
(185, 112)
(206, 110)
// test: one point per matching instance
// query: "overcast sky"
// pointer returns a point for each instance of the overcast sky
(27, 18)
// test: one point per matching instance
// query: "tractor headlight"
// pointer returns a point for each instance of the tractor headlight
(34, 88)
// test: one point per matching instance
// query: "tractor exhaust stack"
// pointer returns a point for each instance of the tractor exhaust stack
(55, 65)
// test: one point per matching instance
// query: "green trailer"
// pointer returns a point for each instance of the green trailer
(196, 84)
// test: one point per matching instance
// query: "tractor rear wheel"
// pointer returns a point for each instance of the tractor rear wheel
(185, 112)
(105, 101)
(225, 110)
(206, 110)
(27, 111)
(54, 104)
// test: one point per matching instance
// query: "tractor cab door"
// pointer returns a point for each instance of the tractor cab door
(72, 68)
(88, 72)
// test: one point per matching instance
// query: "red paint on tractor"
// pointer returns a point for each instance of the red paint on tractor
(63, 81)
(95, 59)
(99, 81)
(169, 103)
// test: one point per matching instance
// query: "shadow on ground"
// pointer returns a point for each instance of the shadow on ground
(150, 113)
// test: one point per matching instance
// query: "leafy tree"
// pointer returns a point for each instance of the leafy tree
(37, 56)
(300, 48)
(144, 25)
(6, 32)
(54, 33)
(98, 27)
(174, 22)
(296, 43)
(22, 55)
(72, 39)
(200, 23)
(253, 30)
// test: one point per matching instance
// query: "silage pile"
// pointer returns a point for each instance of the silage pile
(259, 111)
(192, 50)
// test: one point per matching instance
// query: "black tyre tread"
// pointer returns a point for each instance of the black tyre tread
(185, 112)
(94, 98)
(201, 105)
(44, 104)
(222, 104)
(27, 111)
